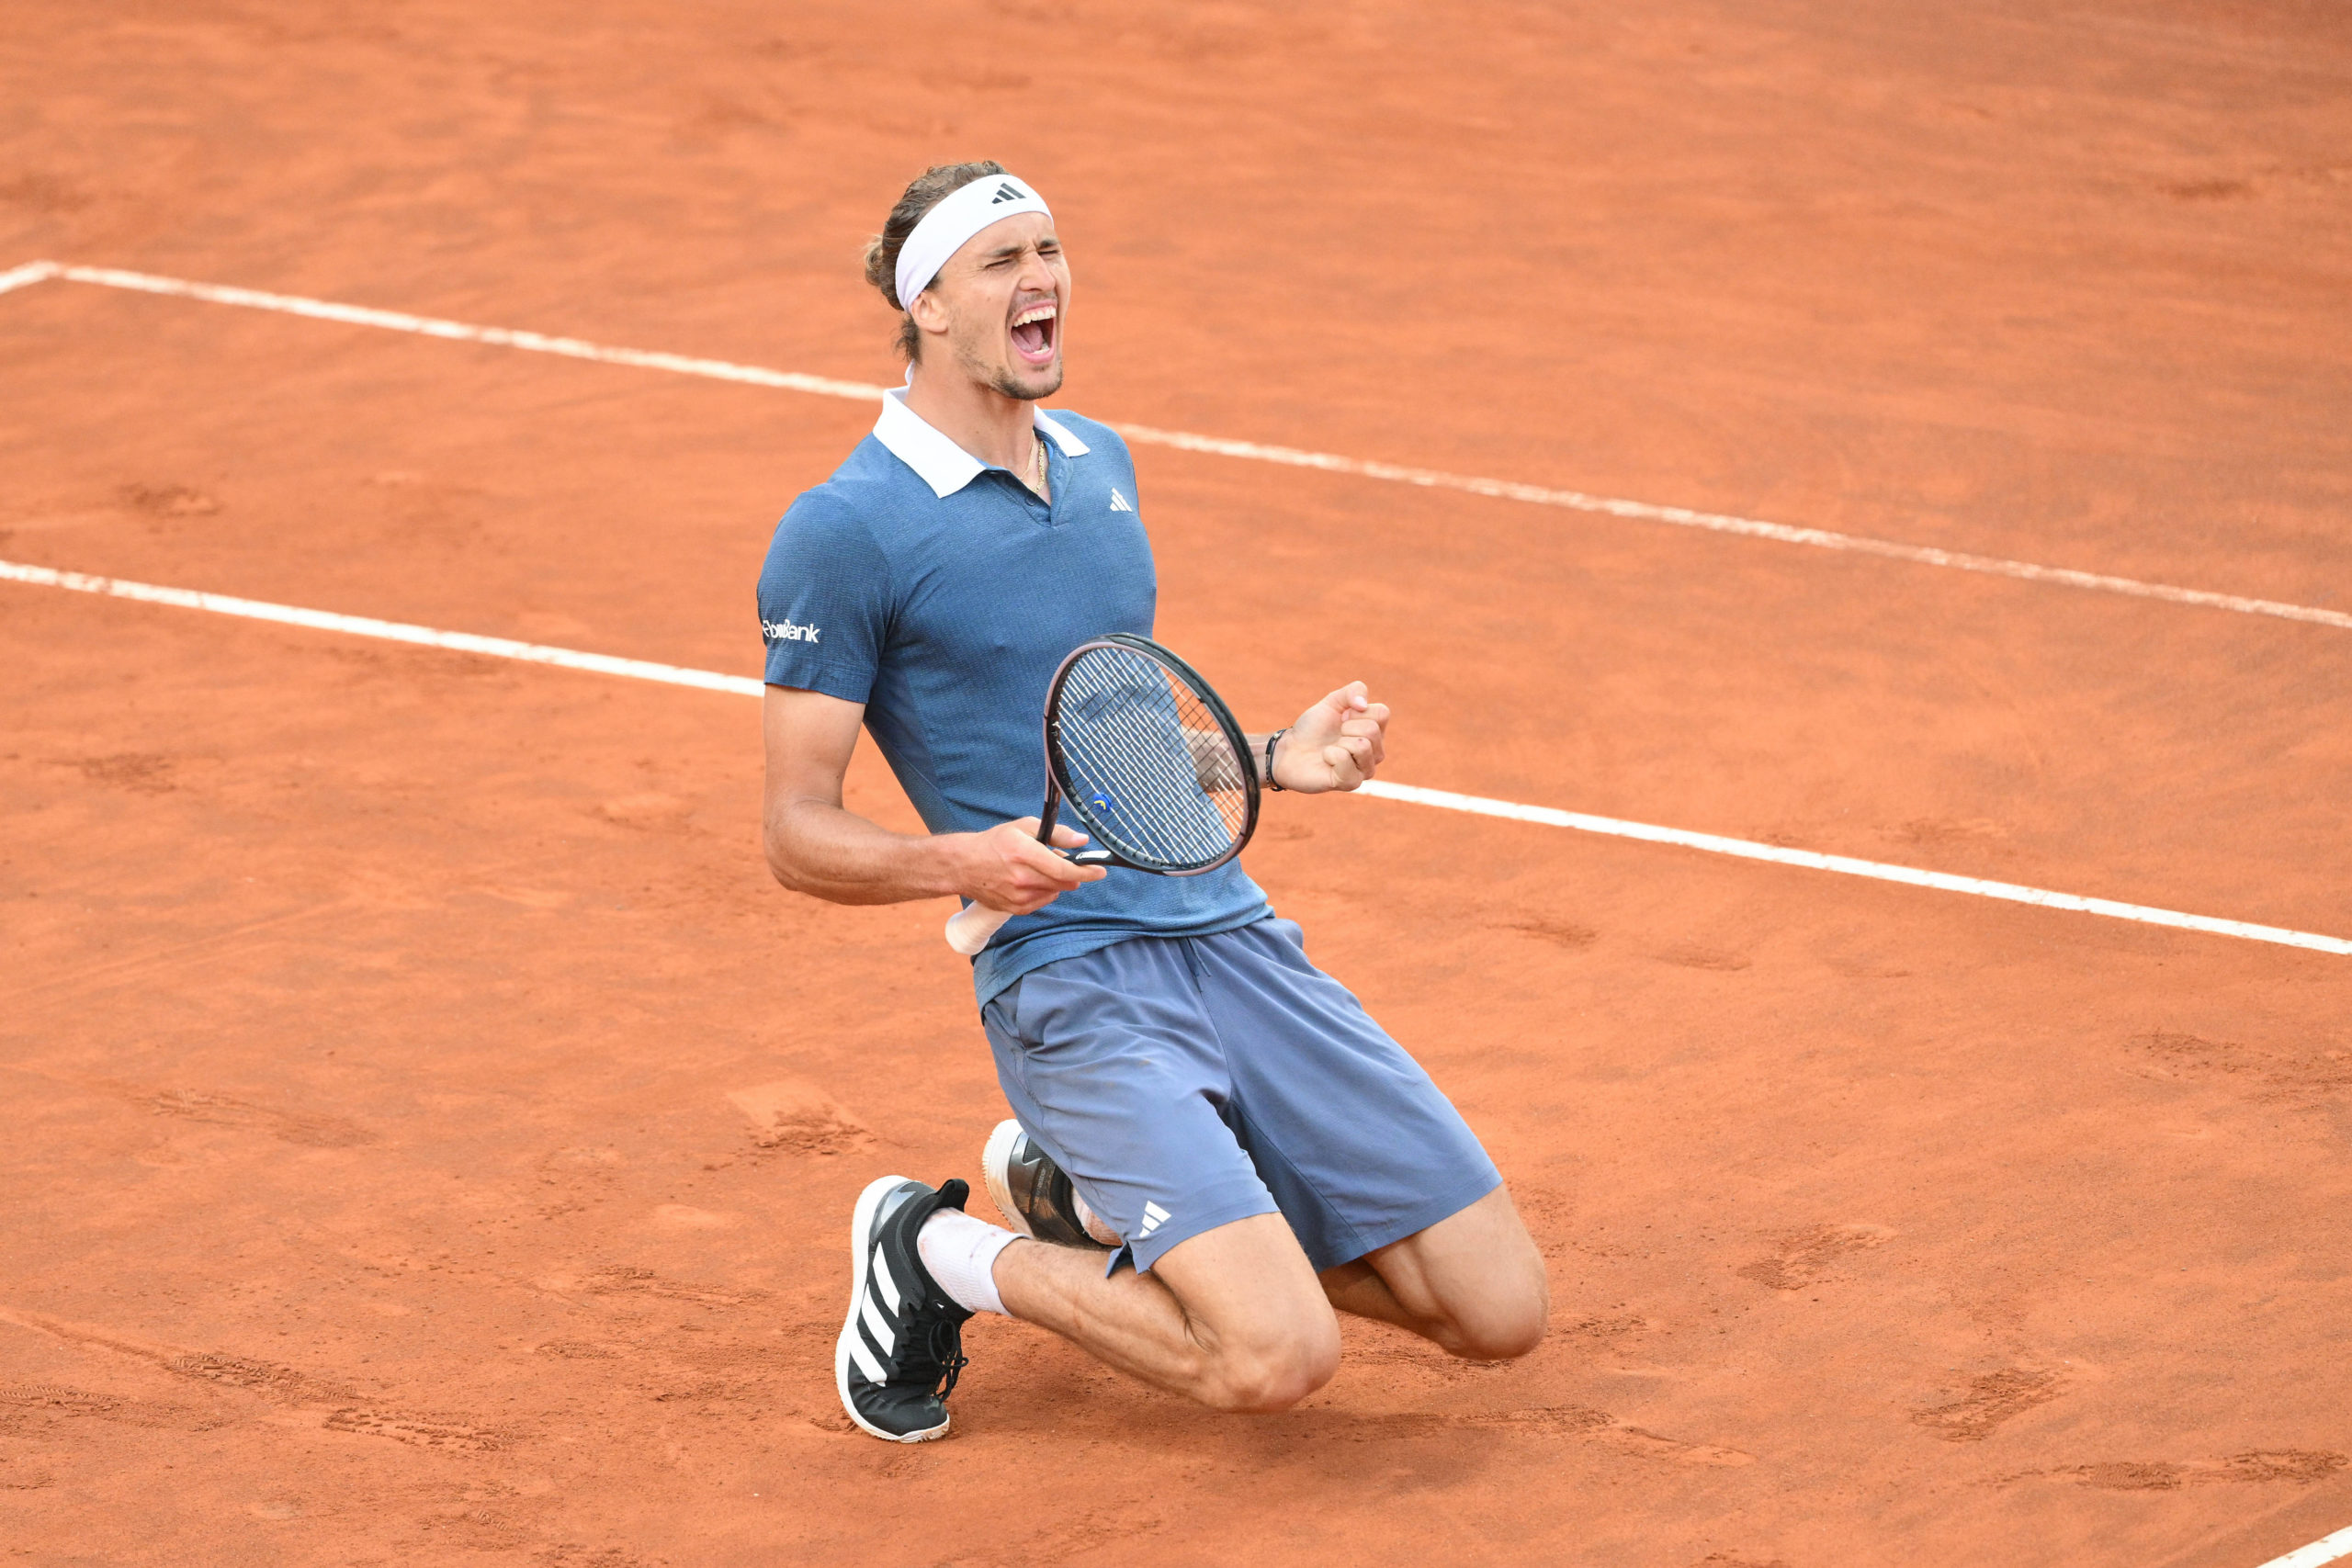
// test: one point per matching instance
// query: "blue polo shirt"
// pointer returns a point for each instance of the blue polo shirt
(941, 593)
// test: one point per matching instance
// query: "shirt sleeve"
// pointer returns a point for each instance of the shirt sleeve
(825, 597)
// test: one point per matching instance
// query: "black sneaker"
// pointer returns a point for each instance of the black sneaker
(1034, 1194)
(902, 1346)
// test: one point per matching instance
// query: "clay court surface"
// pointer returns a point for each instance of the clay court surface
(430, 1134)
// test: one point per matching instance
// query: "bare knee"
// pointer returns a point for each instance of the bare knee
(1259, 1374)
(1501, 1323)
(1499, 1336)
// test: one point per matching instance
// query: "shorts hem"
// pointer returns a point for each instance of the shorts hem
(1445, 1206)
(1147, 1250)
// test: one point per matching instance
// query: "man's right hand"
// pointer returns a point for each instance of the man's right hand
(1006, 868)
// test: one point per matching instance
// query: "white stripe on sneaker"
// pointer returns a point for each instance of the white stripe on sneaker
(866, 1360)
(880, 1272)
(877, 1322)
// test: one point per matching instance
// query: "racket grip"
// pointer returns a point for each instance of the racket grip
(968, 930)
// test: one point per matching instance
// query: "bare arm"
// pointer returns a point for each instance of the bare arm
(816, 846)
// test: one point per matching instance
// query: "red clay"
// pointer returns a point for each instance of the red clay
(430, 1131)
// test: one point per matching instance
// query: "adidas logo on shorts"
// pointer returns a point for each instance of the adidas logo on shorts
(1154, 1216)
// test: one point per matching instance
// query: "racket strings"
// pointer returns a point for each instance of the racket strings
(1149, 765)
(1135, 767)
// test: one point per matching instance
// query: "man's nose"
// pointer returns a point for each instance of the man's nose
(1035, 277)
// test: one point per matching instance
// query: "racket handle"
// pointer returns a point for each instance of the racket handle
(968, 930)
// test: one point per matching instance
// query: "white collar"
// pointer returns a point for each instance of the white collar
(944, 466)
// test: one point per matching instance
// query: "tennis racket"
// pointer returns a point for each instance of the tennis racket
(1146, 759)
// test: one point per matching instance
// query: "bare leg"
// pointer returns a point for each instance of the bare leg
(1472, 1282)
(1233, 1317)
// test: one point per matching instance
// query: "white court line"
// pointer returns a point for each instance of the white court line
(743, 685)
(31, 272)
(459, 331)
(2327, 1550)
(1292, 456)
(391, 631)
(1943, 882)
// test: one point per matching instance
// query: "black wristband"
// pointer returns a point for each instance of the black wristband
(1271, 741)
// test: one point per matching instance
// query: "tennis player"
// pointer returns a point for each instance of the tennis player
(1213, 1147)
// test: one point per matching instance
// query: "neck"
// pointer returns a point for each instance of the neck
(982, 421)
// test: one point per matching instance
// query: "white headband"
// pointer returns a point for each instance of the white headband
(962, 213)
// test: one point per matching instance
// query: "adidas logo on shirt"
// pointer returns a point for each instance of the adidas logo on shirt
(1154, 1216)
(1118, 502)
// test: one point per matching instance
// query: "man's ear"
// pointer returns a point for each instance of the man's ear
(929, 310)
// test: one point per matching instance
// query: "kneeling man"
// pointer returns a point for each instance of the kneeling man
(1192, 1096)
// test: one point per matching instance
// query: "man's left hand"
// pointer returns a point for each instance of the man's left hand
(1336, 744)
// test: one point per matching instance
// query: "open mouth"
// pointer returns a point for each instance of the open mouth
(1033, 332)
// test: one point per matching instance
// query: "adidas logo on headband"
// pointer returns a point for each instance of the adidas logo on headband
(1008, 191)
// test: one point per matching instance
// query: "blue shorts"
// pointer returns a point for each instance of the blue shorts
(1188, 1082)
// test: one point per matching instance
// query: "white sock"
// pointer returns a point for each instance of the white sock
(960, 1252)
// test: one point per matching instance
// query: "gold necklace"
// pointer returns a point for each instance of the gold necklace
(1037, 464)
